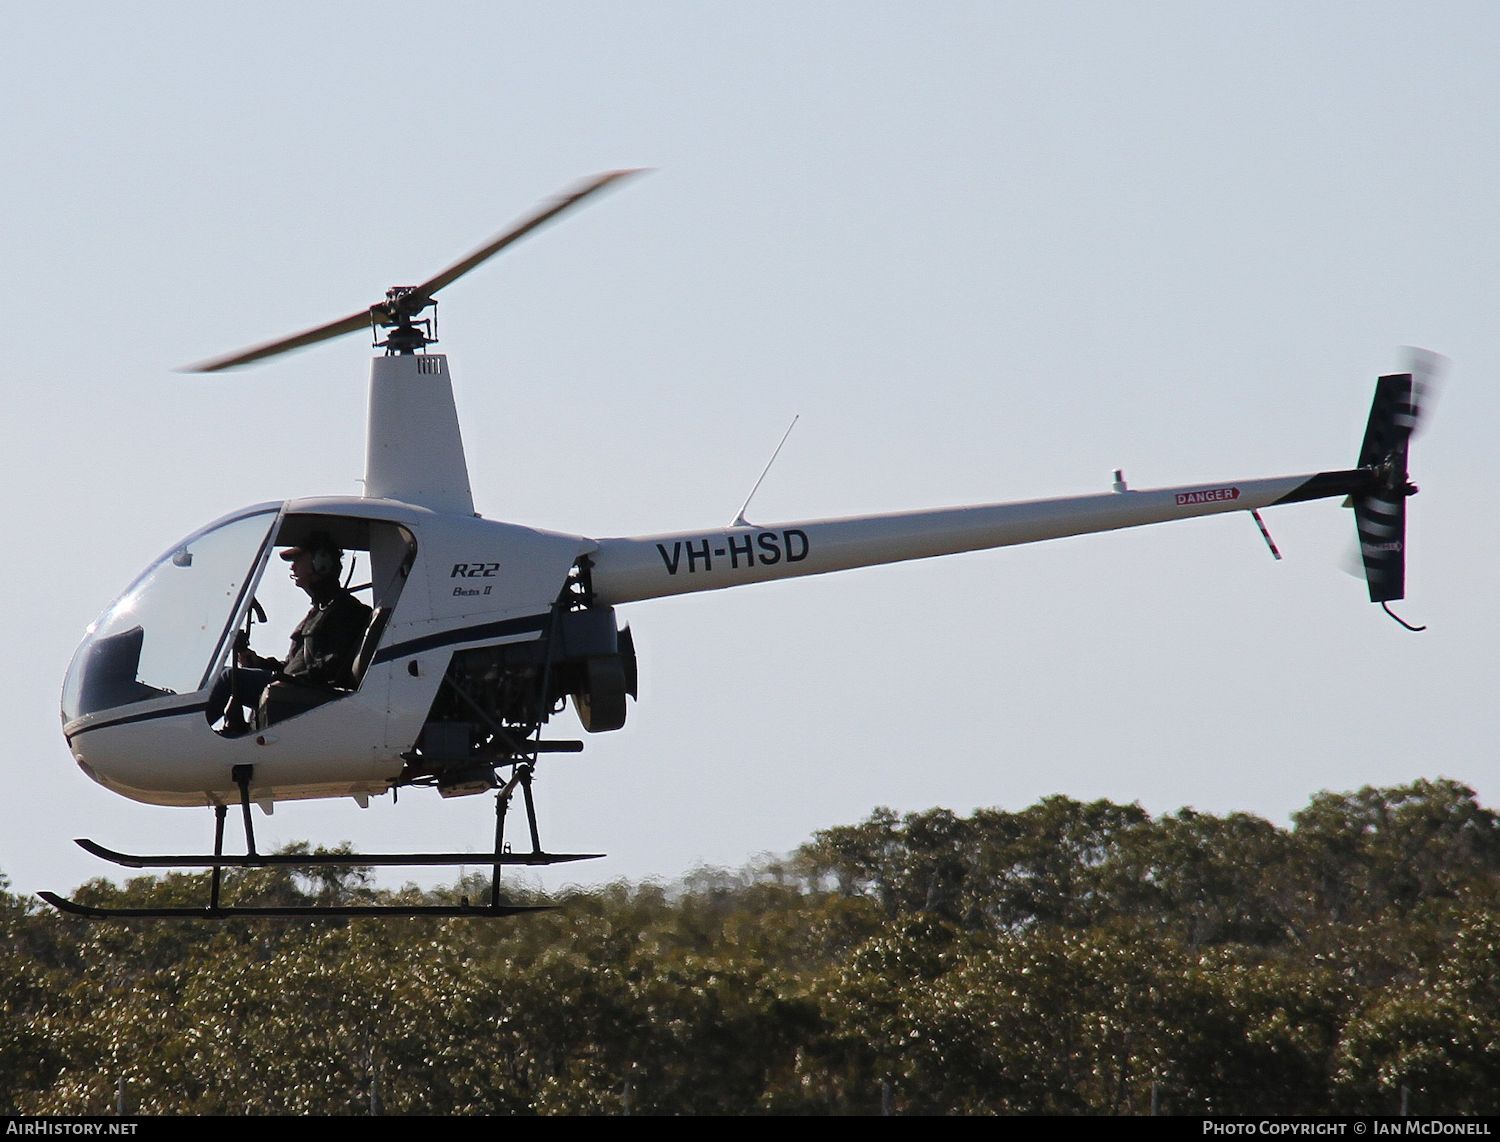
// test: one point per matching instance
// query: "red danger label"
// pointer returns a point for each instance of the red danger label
(1208, 496)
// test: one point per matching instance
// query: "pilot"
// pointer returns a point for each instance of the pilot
(319, 664)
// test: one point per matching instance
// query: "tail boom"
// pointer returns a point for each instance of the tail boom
(647, 567)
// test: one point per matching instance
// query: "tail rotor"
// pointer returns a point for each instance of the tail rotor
(1380, 510)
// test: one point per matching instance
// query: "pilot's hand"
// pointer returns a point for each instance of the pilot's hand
(249, 660)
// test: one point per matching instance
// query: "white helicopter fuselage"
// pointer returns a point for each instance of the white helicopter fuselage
(445, 582)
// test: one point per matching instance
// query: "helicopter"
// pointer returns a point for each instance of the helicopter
(477, 633)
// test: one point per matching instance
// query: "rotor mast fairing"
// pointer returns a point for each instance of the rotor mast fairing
(414, 449)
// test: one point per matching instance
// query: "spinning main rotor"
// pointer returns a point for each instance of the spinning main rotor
(401, 311)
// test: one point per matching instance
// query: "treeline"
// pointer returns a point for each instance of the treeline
(1066, 958)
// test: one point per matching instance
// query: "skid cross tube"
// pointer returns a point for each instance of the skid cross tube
(220, 812)
(241, 775)
(502, 803)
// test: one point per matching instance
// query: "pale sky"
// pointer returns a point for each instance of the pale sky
(987, 251)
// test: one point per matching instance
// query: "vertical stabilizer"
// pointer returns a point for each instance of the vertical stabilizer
(414, 451)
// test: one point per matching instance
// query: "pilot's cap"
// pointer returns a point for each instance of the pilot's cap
(315, 543)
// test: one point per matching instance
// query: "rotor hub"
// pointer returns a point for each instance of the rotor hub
(400, 313)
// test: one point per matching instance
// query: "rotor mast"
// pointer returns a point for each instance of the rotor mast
(414, 448)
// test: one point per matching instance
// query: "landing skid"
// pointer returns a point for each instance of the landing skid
(307, 860)
(73, 908)
(219, 860)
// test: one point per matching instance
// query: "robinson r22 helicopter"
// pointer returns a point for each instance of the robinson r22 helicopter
(480, 631)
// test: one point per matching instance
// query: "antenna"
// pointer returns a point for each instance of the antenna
(739, 519)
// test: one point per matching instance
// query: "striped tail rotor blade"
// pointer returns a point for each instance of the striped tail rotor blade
(1381, 520)
(1393, 415)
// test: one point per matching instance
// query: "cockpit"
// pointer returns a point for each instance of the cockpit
(173, 631)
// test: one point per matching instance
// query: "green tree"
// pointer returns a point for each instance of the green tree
(1438, 1036)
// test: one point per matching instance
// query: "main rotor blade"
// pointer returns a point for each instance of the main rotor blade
(422, 293)
(284, 344)
(520, 230)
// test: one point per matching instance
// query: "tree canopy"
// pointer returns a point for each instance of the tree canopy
(1068, 957)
